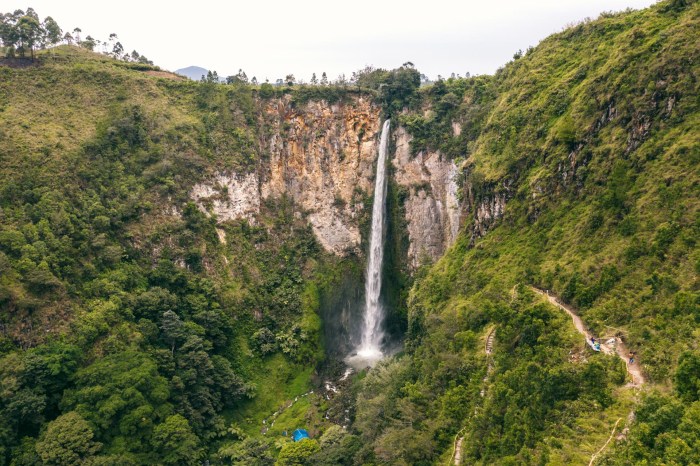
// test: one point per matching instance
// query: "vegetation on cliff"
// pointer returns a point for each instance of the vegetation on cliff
(580, 176)
(156, 333)
(136, 329)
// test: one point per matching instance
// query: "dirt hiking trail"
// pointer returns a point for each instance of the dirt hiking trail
(608, 345)
(456, 457)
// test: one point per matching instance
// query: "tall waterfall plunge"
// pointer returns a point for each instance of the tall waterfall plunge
(370, 350)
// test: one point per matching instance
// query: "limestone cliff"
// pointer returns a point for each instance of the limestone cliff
(432, 207)
(229, 196)
(323, 156)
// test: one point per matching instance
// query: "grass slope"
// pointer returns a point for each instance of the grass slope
(591, 141)
(120, 306)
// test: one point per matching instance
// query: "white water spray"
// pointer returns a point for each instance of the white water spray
(370, 350)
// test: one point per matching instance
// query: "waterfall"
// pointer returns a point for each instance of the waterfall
(370, 349)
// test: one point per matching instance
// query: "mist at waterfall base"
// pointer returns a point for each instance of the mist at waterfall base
(370, 348)
(350, 333)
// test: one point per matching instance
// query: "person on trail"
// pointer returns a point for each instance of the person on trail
(632, 357)
(592, 341)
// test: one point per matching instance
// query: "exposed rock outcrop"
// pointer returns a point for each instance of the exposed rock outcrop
(321, 155)
(484, 203)
(432, 207)
(487, 212)
(229, 196)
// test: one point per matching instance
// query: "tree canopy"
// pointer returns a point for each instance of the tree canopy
(22, 33)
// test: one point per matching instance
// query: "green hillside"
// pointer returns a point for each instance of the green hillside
(131, 333)
(119, 315)
(591, 140)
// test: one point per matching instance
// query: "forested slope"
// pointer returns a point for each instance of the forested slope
(135, 329)
(580, 162)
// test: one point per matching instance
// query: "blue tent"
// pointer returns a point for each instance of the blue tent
(300, 434)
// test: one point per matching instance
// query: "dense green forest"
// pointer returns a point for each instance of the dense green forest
(130, 333)
(120, 320)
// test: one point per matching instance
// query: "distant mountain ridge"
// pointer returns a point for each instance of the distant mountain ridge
(193, 72)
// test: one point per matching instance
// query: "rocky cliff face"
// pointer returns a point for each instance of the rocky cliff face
(432, 207)
(323, 156)
(229, 196)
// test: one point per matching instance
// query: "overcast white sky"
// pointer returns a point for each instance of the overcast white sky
(269, 39)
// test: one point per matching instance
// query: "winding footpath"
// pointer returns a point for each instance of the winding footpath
(609, 345)
(458, 451)
(596, 454)
(612, 345)
(456, 458)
